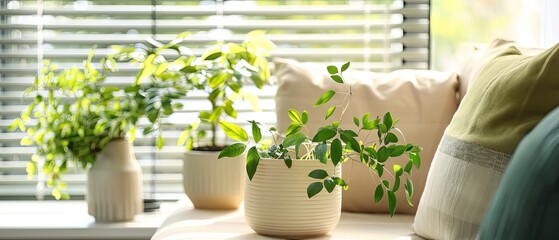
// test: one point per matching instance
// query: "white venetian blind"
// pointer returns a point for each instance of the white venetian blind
(375, 35)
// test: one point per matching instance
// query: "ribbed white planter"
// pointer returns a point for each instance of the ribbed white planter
(213, 183)
(114, 184)
(276, 201)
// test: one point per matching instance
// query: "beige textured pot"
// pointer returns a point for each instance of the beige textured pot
(213, 183)
(276, 202)
(114, 184)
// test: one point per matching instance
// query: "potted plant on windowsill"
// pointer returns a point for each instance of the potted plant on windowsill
(83, 121)
(276, 202)
(218, 75)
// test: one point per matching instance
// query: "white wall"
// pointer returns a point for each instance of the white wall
(550, 23)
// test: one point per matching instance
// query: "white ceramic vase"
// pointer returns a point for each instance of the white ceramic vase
(114, 184)
(276, 201)
(212, 183)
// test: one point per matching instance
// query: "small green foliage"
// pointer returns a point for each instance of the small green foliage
(232, 150)
(391, 202)
(324, 134)
(295, 116)
(253, 158)
(379, 193)
(314, 188)
(234, 131)
(329, 184)
(330, 112)
(336, 151)
(332, 69)
(256, 133)
(318, 174)
(325, 97)
(327, 144)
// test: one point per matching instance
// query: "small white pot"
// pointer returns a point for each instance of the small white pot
(114, 184)
(276, 201)
(213, 183)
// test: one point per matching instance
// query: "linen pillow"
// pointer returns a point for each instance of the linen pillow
(424, 101)
(525, 205)
(473, 62)
(511, 94)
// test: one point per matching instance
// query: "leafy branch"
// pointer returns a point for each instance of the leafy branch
(336, 144)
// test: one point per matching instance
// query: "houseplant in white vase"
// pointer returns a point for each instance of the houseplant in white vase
(285, 196)
(218, 75)
(81, 120)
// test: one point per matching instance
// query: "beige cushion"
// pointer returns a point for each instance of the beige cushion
(424, 100)
(511, 94)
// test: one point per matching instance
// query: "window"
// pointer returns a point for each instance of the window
(376, 35)
(458, 25)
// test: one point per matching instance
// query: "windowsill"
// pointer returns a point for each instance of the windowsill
(69, 220)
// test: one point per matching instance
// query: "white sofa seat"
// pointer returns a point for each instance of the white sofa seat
(189, 223)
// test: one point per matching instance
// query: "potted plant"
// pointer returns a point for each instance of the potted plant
(78, 119)
(276, 202)
(218, 75)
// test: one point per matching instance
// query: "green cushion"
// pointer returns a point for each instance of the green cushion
(510, 95)
(526, 203)
(508, 98)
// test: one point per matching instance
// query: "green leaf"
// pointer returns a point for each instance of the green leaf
(321, 152)
(332, 69)
(383, 154)
(382, 128)
(350, 141)
(294, 140)
(234, 131)
(26, 141)
(380, 171)
(288, 162)
(379, 192)
(408, 186)
(336, 151)
(314, 188)
(397, 170)
(345, 66)
(295, 116)
(305, 117)
(337, 78)
(340, 182)
(387, 120)
(218, 80)
(370, 125)
(252, 160)
(351, 133)
(396, 184)
(391, 202)
(293, 128)
(159, 141)
(256, 133)
(398, 150)
(390, 138)
(229, 110)
(318, 174)
(325, 97)
(414, 157)
(330, 112)
(408, 167)
(233, 150)
(356, 121)
(329, 184)
(324, 134)
(385, 183)
(213, 56)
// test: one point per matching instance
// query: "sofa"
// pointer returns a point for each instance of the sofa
(469, 124)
